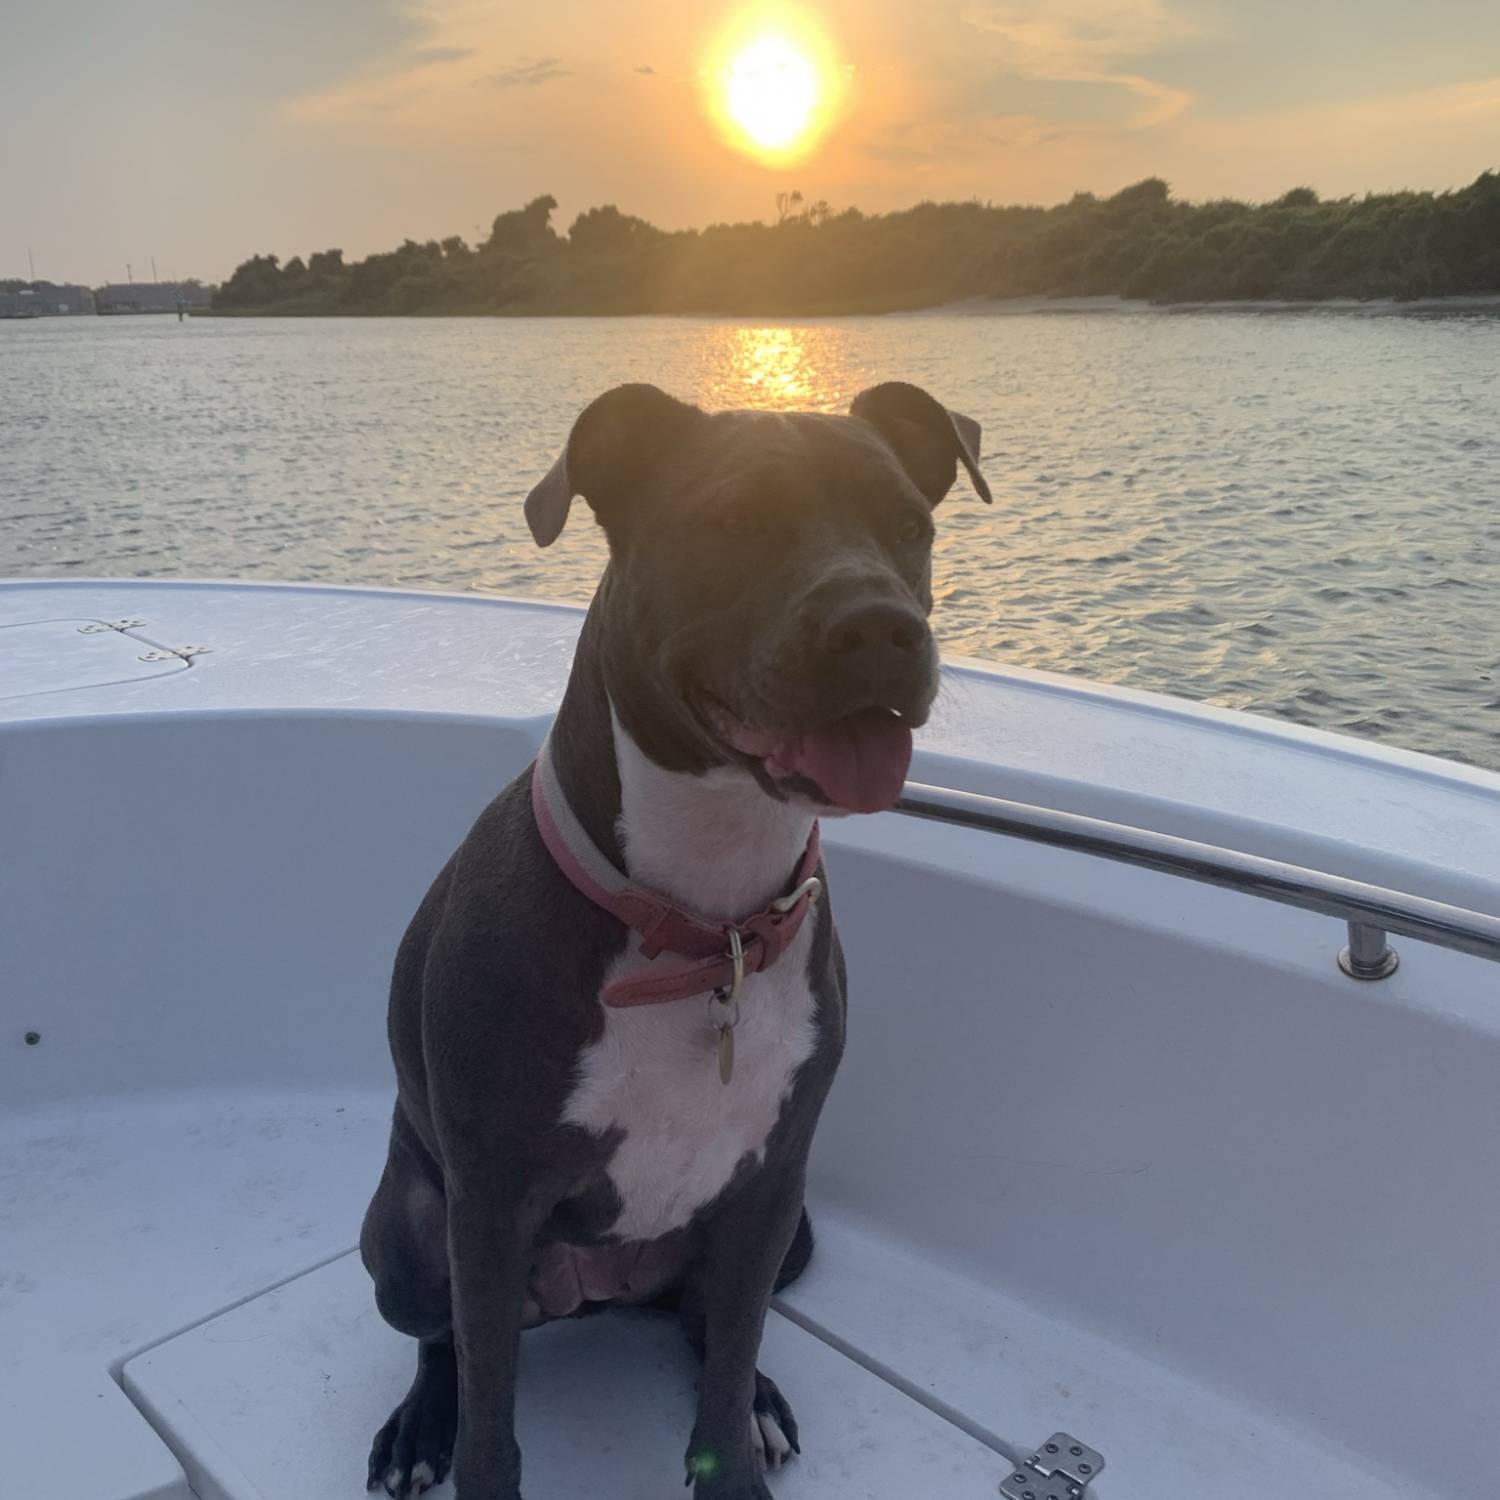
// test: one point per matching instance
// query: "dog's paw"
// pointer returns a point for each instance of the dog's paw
(773, 1440)
(710, 1485)
(414, 1450)
(773, 1428)
(710, 1478)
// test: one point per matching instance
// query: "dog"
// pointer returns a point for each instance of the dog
(617, 1012)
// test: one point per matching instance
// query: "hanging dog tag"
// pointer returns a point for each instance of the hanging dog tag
(724, 1016)
(724, 1008)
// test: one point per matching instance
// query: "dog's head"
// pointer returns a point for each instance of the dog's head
(770, 579)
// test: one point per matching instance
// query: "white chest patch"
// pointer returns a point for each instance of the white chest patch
(717, 844)
(654, 1074)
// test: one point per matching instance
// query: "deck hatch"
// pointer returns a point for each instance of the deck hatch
(281, 1394)
(53, 656)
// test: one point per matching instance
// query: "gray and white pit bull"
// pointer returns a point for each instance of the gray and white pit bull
(757, 653)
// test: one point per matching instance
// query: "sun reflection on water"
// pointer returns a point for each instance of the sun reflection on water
(777, 369)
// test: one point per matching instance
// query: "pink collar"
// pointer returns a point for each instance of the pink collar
(665, 927)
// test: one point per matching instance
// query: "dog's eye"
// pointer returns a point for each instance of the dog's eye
(742, 521)
(911, 528)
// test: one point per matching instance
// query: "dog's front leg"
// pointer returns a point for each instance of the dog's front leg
(489, 1243)
(745, 1242)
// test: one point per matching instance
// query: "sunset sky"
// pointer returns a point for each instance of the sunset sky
(199, 131)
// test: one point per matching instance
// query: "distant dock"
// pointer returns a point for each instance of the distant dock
(121, 299)
(47, 299)
(43, 299)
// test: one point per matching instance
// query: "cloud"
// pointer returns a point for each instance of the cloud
(1089, 41)
(1379, 143)
(646, 69)
(525, 75)
(950, 141)
(448, 81)
(441, 54)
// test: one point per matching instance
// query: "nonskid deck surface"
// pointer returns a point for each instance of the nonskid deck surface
(197, 1249)
(125, 1219)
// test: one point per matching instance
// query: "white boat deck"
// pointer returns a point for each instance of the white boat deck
(1110, 1153)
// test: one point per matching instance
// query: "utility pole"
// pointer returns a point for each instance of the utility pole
(153, 269)
(129, 274)
(31, 264)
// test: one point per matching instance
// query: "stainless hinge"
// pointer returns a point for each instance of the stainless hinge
(98, 627)
(182, 653)
(1061, 1469)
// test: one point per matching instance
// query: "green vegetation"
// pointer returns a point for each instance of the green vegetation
(1138, 243)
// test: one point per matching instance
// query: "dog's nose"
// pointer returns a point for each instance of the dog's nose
(875, 633)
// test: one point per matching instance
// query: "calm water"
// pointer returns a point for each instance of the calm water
(1296, 513)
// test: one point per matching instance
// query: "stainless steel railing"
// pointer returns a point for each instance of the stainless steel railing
(1371, 911)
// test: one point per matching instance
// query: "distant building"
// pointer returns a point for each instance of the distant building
(43, 299)
(20, 304)
(150, 296)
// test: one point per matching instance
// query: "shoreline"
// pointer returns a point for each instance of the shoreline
(975, 307)
(999, 307)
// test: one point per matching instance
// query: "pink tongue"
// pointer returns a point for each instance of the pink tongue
(859, 762)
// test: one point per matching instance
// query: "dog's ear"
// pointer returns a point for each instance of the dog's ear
(618, 439)
(929, 440)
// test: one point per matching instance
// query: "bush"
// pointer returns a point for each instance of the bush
(1138, 243)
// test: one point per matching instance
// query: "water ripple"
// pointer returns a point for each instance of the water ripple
(1292, 514)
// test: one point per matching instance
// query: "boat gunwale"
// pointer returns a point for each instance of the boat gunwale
(1285, 735)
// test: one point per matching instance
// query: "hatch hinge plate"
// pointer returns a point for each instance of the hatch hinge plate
(99, 627)
(183, 653)
(1061, 1469)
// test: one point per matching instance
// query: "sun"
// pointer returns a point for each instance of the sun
(772, 83)
(771, 92)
